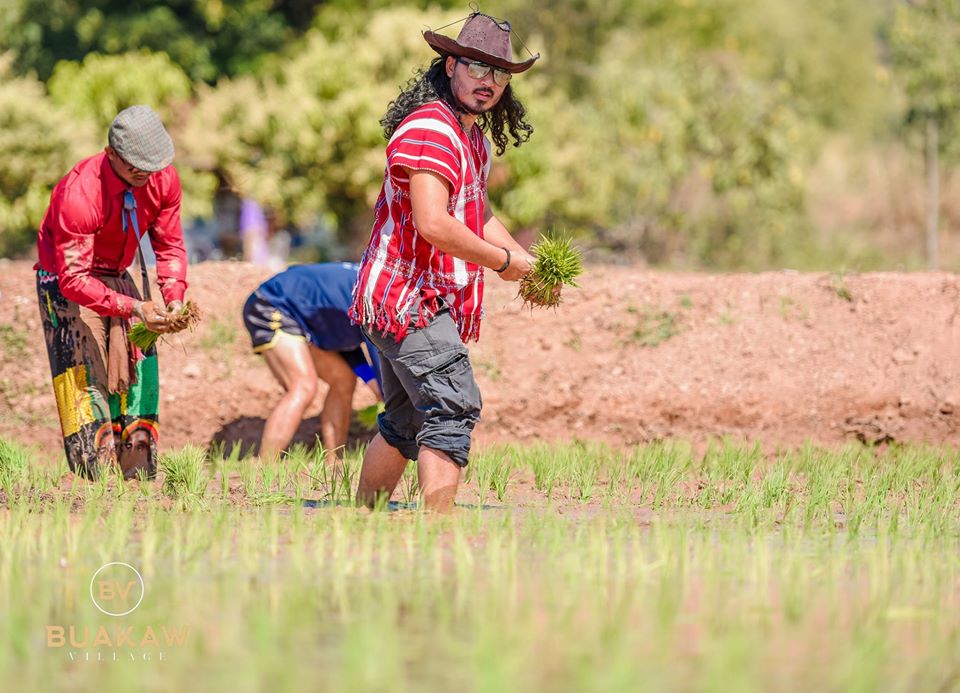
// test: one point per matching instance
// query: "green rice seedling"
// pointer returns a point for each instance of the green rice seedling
(217, 450)
(344, 476)
(725, 470)
(184, 474)
(502, 473)
(557, 263)
(268, 475)
(595, 600)
(236, 453)
(318, 470)
(59, 471)
(295, 460)
(665, 485)
(248, 476)
(775, 487)
(100, 487)
(483, 473)
(14, 467)
(585, 474)
(409, 484)
(614, 483)
(546, 470)
(649, 464)
(187, 318)
(143, 337)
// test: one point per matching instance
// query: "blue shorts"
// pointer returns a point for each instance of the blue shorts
(265, 323)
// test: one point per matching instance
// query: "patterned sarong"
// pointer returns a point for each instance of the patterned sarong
(100, 428)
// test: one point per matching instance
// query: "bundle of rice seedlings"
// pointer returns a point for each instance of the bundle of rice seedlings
(185, 473)
(558, 263)
(186, 318)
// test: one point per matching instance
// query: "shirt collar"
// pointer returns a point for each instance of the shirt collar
(113, 183)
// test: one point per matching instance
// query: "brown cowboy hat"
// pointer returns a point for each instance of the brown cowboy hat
(482, 38)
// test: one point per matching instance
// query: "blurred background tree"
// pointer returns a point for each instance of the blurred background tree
(207, 38)
(39, 144)
(925, 42)
(685, 133)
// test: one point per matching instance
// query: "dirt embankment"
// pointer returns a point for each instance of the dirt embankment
(633, 356)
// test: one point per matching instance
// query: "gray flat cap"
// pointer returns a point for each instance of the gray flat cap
(139, 138)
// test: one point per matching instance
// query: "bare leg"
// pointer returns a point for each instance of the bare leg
(292, 365)
(338, 406)
(439, 477)
(383, 466)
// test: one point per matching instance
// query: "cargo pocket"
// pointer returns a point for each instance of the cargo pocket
(447, 386)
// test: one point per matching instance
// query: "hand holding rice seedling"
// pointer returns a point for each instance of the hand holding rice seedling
(187, 317)
(558, 263)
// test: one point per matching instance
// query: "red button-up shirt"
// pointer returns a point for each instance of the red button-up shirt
(82, 234)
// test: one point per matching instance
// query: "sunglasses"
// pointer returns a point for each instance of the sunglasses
(479, 70)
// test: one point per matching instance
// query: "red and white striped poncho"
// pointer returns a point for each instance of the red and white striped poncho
(403, 279)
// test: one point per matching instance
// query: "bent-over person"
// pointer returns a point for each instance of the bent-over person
(298, 322)
(107, 390)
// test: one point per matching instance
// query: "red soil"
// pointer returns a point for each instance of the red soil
(779, 357)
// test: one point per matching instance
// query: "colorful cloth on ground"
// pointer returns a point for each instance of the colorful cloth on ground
(99, 428)
(315, 298)
(404, 280)
(83, 235)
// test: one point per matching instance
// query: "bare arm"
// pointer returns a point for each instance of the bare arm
(495, 232)
(429, 197)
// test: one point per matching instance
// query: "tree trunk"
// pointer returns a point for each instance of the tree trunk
(933, 193)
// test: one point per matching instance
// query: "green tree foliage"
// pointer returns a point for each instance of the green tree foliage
(304, 137)
(205, 37)
(682, 130)
(926, 55)
(39, 143)
(824, 53)
(95, 90)
(925, 42)
(670, 158)
(103, 85)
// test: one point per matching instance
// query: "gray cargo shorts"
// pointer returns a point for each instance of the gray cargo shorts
(430, 395)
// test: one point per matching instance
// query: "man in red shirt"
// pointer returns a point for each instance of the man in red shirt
(107, 390)
(419, 291)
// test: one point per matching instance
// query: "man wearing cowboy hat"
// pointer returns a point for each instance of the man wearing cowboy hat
(419, 291)
(107, 390)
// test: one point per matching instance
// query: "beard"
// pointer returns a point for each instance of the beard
(479, 109)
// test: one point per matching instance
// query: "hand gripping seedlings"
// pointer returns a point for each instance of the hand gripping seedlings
(186, 318)
(558, 263)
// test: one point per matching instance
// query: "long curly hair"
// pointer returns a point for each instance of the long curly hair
(432, 83)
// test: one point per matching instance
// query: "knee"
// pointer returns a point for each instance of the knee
(303, 390)
(343, 386)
